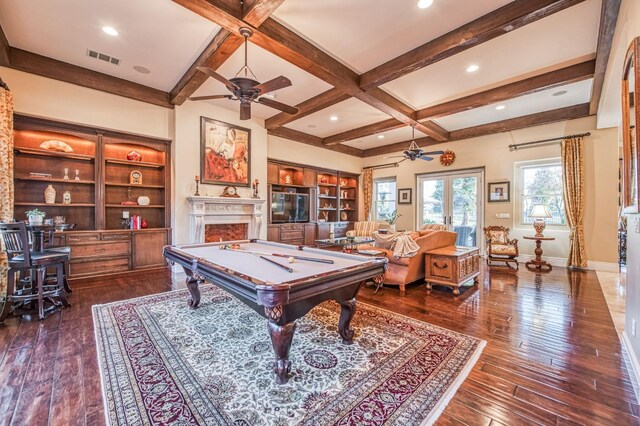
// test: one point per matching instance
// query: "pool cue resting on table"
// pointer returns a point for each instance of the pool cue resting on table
(236, 247)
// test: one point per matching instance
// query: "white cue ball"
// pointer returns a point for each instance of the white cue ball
(291, 260)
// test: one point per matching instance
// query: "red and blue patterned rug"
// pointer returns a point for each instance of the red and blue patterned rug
(163, 363)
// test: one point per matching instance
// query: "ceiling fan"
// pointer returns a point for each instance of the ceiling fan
(415, 152)
(245, 89)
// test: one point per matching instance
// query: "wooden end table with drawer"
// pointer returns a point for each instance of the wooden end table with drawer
(452, 266)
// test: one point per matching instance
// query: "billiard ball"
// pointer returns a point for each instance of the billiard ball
(291, 260)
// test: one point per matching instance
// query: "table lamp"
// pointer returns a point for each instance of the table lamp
(539, 212)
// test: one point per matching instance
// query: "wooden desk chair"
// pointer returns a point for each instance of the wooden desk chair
(51, 246)
(33, 267)
(499, 247)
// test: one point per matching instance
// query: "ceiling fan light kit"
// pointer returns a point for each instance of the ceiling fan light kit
(246, 89)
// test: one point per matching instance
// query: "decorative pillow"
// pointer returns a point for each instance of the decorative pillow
(502, 249)
(498, 237)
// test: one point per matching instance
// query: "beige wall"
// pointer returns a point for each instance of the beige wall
(492, 153)
(286, 150)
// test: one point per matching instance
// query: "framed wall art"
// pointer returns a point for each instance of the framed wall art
(225, 153)
(404, 196)
(499, 192)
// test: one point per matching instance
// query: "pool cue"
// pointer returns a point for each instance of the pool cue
(310, 259)
(285, 267)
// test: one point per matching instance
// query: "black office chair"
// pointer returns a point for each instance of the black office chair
(32, 267)
(50, 245)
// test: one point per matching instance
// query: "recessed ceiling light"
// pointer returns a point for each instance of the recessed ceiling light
(141, 69)
(423, 4)
(110, 30)
(560, 93)
(499, 107)
(312, 126)
(333, 118)
(380, 136)
(473, 68)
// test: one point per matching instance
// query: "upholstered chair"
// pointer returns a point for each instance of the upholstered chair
(363, 229)
(499, 247)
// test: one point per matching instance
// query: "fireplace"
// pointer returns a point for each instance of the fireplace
(214, 233)
(216, 218)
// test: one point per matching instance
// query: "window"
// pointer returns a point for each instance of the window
(541, 183)
(384, 197)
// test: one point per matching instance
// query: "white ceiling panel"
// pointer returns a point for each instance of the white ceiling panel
(265, 66)
(577, 93)
(570, 35)
(158, 35)
(366, 33)
(391, 136)
(351, 114)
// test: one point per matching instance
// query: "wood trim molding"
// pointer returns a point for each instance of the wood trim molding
(317, 103)
(546, 117)
(501, 21)
(316, 141)
(22, 60)
(5, 54)
(608, 20)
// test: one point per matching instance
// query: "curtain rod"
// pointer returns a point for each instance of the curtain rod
(514, 147)
(382, 166)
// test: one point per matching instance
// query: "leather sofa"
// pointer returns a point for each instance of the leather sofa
(405, 270)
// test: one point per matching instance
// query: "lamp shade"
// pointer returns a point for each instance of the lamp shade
(540, 211)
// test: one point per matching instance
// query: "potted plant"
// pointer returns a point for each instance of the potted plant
(391, 219)
(35, 216)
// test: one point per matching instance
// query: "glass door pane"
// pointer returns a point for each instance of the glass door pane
(465, 209)
(433, 202)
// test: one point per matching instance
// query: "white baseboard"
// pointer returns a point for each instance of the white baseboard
(634, 374)
(562, 263)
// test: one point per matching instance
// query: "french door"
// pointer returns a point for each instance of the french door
(454, 200)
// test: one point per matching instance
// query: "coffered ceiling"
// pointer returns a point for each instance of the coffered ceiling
(362, 71)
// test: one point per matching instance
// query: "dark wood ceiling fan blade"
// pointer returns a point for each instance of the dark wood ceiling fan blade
(275, 84)
(207, 98)
(425, 158)
(434, 153)
(245, 110)
(221, 79)
(278, 105)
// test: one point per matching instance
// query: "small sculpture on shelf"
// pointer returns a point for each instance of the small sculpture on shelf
(287, 179)
(134, 156)
(129, 201)
(66, 197)
(66, 174)
(77, 175)
(50, 195)
(126, 220)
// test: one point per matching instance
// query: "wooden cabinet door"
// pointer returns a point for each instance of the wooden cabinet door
(310, 177)
(147, 249)
(273, 233)
(272, 173)
(309, 234)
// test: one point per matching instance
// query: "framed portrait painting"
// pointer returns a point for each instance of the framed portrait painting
(225, 153)
(404, 196)
(499, 192)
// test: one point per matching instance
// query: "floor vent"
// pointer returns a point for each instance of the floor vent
(103, 57)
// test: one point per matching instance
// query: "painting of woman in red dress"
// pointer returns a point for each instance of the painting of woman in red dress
(225, 151)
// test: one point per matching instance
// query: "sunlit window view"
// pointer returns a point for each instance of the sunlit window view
(385, 198)
(543, 185)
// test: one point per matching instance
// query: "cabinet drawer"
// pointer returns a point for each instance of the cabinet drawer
(79, 238)
(98, 267)
(441, 267)
(117, 236)
(291, 234)
(105, 249)
(292, 226)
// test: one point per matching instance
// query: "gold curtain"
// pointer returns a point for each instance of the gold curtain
(6, 171)
(367, 185)
(573, 193)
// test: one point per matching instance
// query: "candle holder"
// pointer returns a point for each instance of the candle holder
(197, 194)
(255, 189)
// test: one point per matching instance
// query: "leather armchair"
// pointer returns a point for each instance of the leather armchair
(499, 247)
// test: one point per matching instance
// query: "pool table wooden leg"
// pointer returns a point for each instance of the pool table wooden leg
(281, 338)
(346, 314)
(192, 286)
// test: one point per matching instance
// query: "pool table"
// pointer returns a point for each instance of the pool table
(278, 295)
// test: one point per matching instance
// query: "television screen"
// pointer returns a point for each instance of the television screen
(289, 207)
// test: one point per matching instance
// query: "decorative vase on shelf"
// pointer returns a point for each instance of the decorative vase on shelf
(392, 227)
(134, 156)
(49, 195)
(77, 174)
(66, 174)
(144, 223)
(35, 219)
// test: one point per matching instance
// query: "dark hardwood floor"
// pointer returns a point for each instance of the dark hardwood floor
(552, 354)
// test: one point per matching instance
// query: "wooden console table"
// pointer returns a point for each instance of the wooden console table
(452, 266)
(538, 264)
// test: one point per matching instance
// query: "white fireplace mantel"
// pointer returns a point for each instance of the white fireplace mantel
(224, 210)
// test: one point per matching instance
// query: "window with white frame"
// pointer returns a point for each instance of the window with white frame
(540, 182)
(384, 197)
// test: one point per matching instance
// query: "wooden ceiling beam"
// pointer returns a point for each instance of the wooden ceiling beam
(22, 60)
(5, 49)
(284, 43)
(546, 117)
(562, 76)
(223, 45)
(501, 21)
(608, 20)
(317, 103)
(308, 139)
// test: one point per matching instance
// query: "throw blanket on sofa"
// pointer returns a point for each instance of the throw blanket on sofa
(401, 243)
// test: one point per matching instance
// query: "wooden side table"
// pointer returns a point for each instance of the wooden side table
(452, 266)
(538, 264)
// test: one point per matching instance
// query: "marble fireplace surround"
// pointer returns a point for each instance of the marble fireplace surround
(224, 210)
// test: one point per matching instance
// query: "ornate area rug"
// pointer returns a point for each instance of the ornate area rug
(163, 363)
